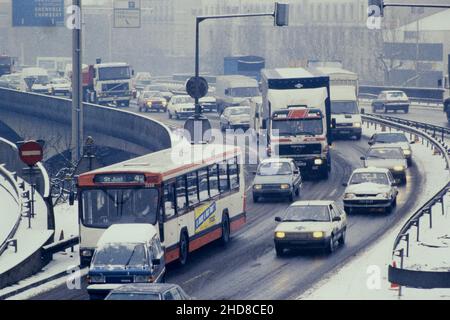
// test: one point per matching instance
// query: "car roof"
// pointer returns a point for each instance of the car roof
(371, 170)
(127, 233)
(382, 146)
(313, 203)
(393, 91)
(145, 288)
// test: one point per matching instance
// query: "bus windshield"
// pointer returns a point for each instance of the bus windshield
(105, 207)
(114, 73)
(344, 107)
(297, 127)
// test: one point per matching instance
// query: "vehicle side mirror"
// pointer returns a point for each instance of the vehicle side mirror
(371, 143)
(278, 219)
(337, 219)
(71, 198)
(345, 184)
(296, 172)
(156, 261)
(363, 111)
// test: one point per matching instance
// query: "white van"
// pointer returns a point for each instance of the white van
(235, 90)
(126, 253)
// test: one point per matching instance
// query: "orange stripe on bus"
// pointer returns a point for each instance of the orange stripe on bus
(204, 240)
(238, 224)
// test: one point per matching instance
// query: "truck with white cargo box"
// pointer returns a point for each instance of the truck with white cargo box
(295, 117)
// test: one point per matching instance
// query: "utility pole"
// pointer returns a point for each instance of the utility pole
(77, 89)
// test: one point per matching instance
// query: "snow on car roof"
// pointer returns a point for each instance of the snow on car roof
(371, 170)
(145, 287)
(272, 160)
(127, 233)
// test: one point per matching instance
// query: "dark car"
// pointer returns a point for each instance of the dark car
(148, 291)
(279, 177)
(391, 101)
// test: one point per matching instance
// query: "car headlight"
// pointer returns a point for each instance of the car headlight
(149, 103)
(280, 235)
(142, 279)
(383, 195)
(97, 278)
(257, 187)
(357, 125)
(318, 234)
(407, 152)
(399, 168)
(318, 162)
(285, 186)
(349, 196)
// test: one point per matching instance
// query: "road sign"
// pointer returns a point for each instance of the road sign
(127, 14)
(37, 13)
(31, 153)
(197, 87)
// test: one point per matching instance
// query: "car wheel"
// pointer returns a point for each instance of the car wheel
(297, 192)
(225, 230)
(331, 246)
(394, 203)
(342, 239)
(279, 250)
(183, 249)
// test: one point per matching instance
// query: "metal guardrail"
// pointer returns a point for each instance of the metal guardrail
(9, 176)
(61, 245)
(432, 95)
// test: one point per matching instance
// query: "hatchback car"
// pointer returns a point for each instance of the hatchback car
(391, 101)
(152, 101)
(370, 188)
(277, 177)
(181, 107)
(394, 139)
(311, 224)
(235, 117)
(148, 291)
(391, 158)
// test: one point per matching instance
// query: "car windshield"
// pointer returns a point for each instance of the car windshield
(307, 214)
(390, 138)
(148, 95)
(41, 80)
(274, 169)
(297, 127)
(344, 107)
(118, 254)
(157, 88)
(114, 73)
(105, 207)
(244, 92)
(133, 296)
(371, 177)
(239, 111)
(181, 100)
(388, 153)
(396, 95)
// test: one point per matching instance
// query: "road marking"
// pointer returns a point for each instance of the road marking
(333, 192)
(204, 274)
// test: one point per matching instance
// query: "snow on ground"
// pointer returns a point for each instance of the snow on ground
(10, 208)
(365, 277)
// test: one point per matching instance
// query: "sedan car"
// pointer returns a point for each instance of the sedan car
(60, 86)
(311, 224)
(370, 188)
(391, 158)
(277, 177)
(152, 101)
(235, 117)
(391, 101)
(394, 139)
(181, 107)
(148, 291)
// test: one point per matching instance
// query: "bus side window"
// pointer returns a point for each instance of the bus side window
(203, 184)
(224, 178)
(192, 188)
(169, 201)
(181, 193)
(213, 180)
(233, 169)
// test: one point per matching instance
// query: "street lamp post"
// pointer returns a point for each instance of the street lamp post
(198, 122)
(77, 89)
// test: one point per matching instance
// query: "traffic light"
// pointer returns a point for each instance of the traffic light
(376, 8)
(281, 14)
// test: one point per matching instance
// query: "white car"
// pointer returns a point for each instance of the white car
(370, 188)
(311, 224)
(60, 86)
(394, 139)
(235, 117)
(208, 104)
(391, 158)
(181, 107)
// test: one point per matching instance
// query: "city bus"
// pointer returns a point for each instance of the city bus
(191, 202)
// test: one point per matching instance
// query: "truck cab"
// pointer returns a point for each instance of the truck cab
(235, 90)
(112, 83)
(296, 118)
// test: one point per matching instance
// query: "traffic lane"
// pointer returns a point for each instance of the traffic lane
(249, 268)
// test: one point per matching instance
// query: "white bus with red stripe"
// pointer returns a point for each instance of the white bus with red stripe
(193, 195)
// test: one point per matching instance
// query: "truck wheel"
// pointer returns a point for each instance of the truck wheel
(183, 249)
(358, 136)
(255, 199)
(347, 210)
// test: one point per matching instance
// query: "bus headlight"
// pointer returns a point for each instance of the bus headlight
(318, 234)
(357, 125)
(280, 235)
(399, 168)
(318, 162)
(349, 196)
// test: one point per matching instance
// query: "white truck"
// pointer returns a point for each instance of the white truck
(295, 117)
(344, 86)
(235, 90)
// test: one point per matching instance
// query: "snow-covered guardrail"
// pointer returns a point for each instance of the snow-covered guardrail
(10, 224)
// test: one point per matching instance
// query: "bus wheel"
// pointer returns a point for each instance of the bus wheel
(225, 230)
(184, 249)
